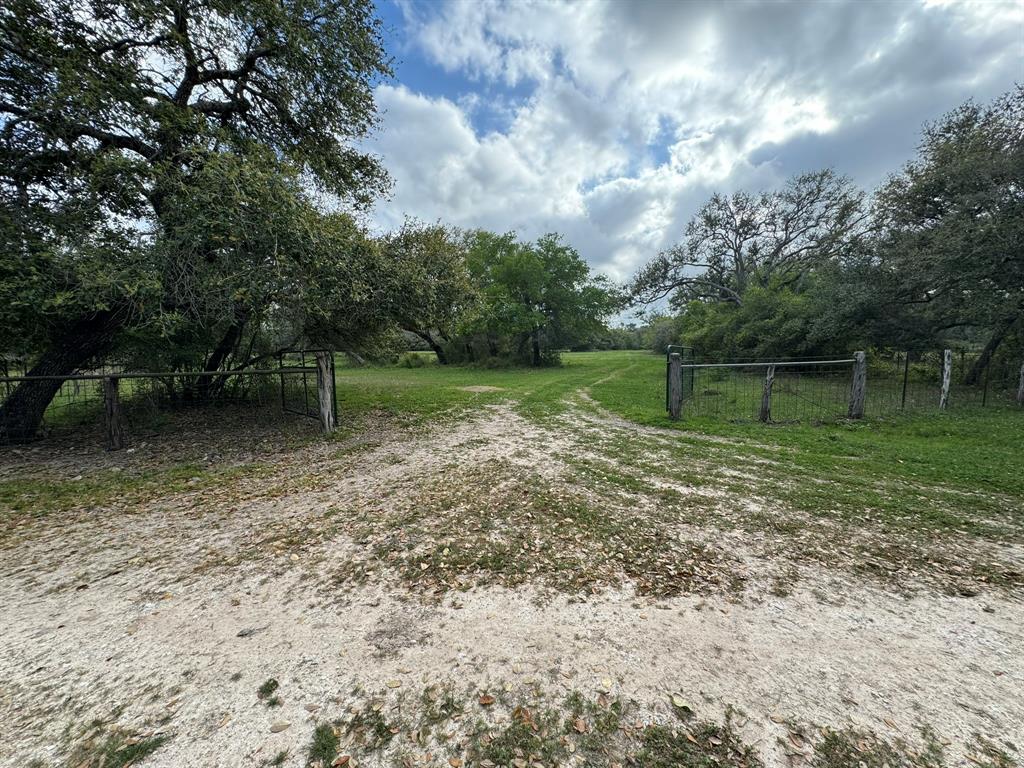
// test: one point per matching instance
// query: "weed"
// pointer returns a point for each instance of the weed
(324, 747)
(267, 692)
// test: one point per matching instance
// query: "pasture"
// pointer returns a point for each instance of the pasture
(529, 567)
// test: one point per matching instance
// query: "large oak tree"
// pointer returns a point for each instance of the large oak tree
(116, 119)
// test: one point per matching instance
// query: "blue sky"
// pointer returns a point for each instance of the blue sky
(611, 122)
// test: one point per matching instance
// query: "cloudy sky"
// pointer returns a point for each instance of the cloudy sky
(612, 121)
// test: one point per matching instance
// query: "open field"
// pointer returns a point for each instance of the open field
(521, 568)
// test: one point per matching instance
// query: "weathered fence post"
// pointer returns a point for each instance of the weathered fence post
(1020, 386)
(766, 395)
(906, 375)
(947, 373)
(858, 389)
(325, 389)
(675, 386)
(113, 422)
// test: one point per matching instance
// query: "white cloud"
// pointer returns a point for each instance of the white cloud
(725, 95)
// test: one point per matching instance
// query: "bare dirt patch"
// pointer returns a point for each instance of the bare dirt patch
(575, 563)
(478, 388)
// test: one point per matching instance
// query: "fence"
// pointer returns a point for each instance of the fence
(119, 401)
(815, 389)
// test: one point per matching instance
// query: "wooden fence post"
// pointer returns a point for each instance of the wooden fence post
(675, 386)
(766, 395)
(113, 420)
(947, 373)
(1020, 386)
(325, 390)
(858, 390)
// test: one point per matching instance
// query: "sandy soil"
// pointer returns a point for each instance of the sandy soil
(148, 615)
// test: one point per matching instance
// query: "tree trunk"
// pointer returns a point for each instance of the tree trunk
(535, 341)
(207, 386)
(998, 334)
(22, 412)
(442, 358)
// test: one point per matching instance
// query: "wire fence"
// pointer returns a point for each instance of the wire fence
(800, 390)
(821, 389)
(149, 402)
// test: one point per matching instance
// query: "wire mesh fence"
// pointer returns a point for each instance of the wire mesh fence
(149, 402)
(821, 389)
(800, 390)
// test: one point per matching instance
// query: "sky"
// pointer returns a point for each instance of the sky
(612, 122)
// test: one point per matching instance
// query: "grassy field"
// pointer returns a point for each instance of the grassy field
(968, 448)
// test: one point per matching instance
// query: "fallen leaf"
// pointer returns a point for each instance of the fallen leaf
(486, 700)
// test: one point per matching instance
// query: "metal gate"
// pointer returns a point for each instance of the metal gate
(300, 382)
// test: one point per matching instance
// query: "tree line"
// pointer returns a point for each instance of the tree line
(933, 259)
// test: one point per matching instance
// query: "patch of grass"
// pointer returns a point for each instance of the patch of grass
(267, 692)
(438, 706)
(593, 723)
(371, 729)
(531, 735)
(703, 745)
(113, 749)
(324, 746)
(988, 754)
(278, 760)
(38, 496)
(514, 527)
(849, 747)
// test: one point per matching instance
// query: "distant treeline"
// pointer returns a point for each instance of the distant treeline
(933, 259)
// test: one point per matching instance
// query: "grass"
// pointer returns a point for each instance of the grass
(324, 746)
(47, 495)
(967, 448)
(527, 727)
(267, 693)
(112, 748)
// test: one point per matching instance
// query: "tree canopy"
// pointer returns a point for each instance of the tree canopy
(538, 297)
(159, 164)
(935, 258)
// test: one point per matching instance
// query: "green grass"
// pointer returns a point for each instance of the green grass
(113, 749)
(324, 746)
(530, 727)
(47, 495)
(971, 448)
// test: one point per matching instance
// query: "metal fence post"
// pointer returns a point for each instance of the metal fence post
(766, 395)
(947, 374)
(858, 389)
(325, 389)
(675, 386)
(112, 419)
(1020, 386)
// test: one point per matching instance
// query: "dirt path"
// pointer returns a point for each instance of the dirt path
(167, 620)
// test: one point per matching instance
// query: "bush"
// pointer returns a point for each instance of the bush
(411, 360)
